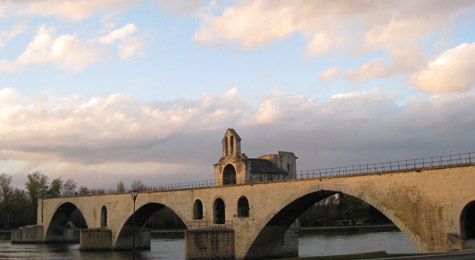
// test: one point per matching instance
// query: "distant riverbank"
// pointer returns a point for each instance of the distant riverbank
(305, 230)
(5, 234)
(355, 228)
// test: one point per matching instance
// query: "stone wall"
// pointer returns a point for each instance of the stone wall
(209, 244)
(95, 239)
(28, 234)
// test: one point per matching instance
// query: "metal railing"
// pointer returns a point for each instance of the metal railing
(411, 164)
(208, 225)
(402, 165)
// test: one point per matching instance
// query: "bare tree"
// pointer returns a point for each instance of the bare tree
(138, 186)
(69, 188)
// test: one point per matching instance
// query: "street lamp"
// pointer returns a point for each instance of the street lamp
(134, 194)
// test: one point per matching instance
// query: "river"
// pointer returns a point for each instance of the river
(173, 248)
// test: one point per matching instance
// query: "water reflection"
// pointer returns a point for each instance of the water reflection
(173, 248)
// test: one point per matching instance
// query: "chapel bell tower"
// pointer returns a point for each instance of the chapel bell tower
(231, 143)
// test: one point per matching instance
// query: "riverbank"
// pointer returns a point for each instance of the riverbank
(356, 228)
(306, 230)
(456, 255)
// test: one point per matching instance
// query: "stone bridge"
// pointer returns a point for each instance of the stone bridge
(434, 207)
(250, 209)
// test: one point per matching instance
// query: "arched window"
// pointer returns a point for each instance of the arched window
(467, 221)
(219, 216)
(229, 175)
(243, 207)
(226, 152)
(231, 144)
(104, 216)
(197, 210)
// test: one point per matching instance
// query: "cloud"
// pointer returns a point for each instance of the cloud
(117, 135)
(369, 24)
(375, 68)
(74, 10)
(452, 71)
(391, 32)
(7, 35)
(70, 52)
(119, 34)
(329, 73)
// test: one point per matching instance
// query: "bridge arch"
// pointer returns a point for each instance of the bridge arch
(65, 224)
(277, 222)
(467, 221)
(142, 215)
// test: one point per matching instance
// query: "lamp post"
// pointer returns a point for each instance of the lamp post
(134, 194)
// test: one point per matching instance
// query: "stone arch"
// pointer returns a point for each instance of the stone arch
(243, 207)
(277, 222)
(229, 175)
(219, 211)
(65, 224)
(142, 215)
(467, 221)
(104, 216)
(197, 210)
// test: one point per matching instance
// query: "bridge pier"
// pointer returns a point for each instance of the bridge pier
(276, 242)
(101, 239)
(28, 234)
(95, 239)
(209, 244)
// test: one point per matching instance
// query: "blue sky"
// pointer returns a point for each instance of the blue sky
(146, 89)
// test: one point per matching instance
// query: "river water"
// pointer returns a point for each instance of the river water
(174, 248)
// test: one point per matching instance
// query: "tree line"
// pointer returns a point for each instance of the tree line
(341, 209)
(18, 207)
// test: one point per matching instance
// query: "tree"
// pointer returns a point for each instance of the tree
(69, 188)
(37, 186)
(5, 200)
(84, 191)
(138, 186)
(55, 188)
(120, 187)
(6, 190)
(20, 210)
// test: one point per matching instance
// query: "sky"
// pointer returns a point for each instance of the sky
(123, 90)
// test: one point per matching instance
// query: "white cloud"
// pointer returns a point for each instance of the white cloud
(131, 46)
(453, 70)
(375, 68)
(397, 28)
(78, 137)
(329, 73)
(7, 35)
(119, 34)
(67, 51)
(74, 10)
